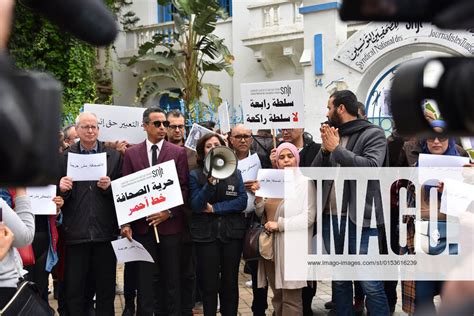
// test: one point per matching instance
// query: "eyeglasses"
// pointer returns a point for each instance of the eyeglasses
(240, 137)
(173, 127)
(159, 123)
(440, 139)
(87, 127)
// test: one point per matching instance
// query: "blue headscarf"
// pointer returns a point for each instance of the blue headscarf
(450, 151)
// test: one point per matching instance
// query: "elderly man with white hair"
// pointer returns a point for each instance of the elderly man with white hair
(89, 223)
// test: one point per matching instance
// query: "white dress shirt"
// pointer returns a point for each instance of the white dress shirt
(149, 150)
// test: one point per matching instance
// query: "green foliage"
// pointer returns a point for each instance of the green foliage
(37, 44)
(194, 51)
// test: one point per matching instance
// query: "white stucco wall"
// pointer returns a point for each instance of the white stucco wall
(247, 24)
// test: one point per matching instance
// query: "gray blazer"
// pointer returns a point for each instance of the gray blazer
(365, 148)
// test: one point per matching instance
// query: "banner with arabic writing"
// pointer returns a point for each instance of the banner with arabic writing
(118, 122)
(146, 192)
(276, 104)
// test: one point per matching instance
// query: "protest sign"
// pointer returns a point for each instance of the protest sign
(224, 122)
(249, 167)
(42, 199)
(118, 122)
(277, 104)
(457, 197)
(146, 192)
(445, 167)
(272, 184)
(197, 131)
(126, 251)
(86, 167)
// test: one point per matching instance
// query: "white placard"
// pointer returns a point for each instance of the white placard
(249, 167)
(118, 122)
(147, 192)
(456, 198)
(197, 131)
(224, 122)
(127, 251)
(428, 160)
(272, 183)
(42, 199)
(86, 167)
(435, 168)
(277, 104)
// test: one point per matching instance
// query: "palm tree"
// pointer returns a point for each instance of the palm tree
(193, 52)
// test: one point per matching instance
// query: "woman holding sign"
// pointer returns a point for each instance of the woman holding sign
(418, 295)
(286, 294)
(217, 227)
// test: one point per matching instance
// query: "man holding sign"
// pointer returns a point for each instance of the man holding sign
(89, 223)
(170, 223)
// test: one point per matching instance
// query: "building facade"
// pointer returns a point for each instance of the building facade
(274, 40)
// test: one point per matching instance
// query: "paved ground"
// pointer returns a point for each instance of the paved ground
(323, 295)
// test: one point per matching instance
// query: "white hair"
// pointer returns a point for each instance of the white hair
(78, 118)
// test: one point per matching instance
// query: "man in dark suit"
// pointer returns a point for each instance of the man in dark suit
(170, 223)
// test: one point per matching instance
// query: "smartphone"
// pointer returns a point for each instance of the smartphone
(1, 216)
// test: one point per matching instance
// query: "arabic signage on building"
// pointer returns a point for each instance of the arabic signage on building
(368, 45)
(118, 122)
(277, 104)
(146, 192)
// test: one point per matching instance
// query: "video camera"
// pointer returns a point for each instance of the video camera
(448, 84)
(30, 101)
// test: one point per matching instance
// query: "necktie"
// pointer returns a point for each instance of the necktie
(154, 155)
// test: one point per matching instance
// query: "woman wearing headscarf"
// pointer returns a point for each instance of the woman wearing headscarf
(286, 294)
(217, 227)
(418, 295)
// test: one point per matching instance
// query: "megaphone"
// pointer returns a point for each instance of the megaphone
(220, 163)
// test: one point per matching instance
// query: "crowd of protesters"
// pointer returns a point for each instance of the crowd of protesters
(196, 262)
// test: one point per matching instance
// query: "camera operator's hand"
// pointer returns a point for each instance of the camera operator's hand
(6, 12)
(65, 184)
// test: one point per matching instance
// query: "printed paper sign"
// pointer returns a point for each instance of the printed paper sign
(197, 131)
(86, 167)
(127, 251)
(427, 160)
(272, 183)
(224, 122)
(457, 197)
(118, 122)
(277, 104)
(249, 167)
(446, 167)
(147, 192)
(42, 200)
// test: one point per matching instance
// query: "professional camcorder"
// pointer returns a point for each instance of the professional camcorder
(30, 102)
(448, 84)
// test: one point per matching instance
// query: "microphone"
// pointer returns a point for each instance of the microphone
(88, 20)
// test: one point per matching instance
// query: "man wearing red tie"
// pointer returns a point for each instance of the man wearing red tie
(167, 253)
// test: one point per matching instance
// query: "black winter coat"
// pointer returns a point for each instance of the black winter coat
(88, 211)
